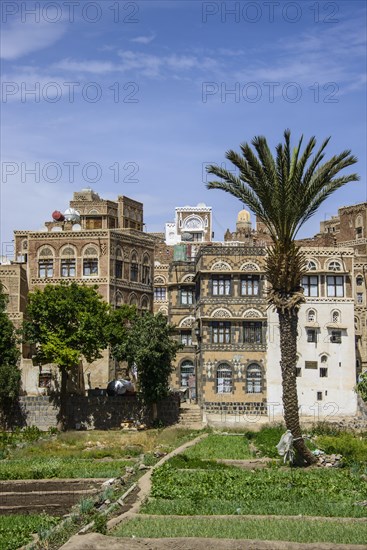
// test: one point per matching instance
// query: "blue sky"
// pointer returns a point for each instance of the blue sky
(137, 97)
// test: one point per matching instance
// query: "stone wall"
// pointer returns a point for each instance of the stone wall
(236, 408)
(96, 412)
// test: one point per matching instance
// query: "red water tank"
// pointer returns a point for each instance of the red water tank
(57, 216)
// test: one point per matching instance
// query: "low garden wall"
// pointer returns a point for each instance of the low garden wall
(95, 412)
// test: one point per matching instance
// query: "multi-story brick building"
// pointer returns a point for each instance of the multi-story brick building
(215, 295)
(95, 241)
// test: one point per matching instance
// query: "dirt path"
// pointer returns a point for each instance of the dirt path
(95, 541)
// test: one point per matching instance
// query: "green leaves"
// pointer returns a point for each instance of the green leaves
(67, 322)
(9, 355)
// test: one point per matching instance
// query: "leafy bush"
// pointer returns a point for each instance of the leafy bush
(266, 439)
(352, 447)
(362, 386)
(100, 523)
(16, 530)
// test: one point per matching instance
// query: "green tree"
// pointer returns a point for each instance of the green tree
(9, 354)
(66, 323)
(151, 347)
(284, 192)
(362, 386)
(120, 322)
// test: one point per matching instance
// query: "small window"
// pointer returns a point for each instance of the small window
(335, 317)
(359, 298)
(336, 337)
(146, 271)
(310, 364)
(319, 396)
(323, 358)
(160, 293)
(134, 269)
(250, 285)
(186, 297)
(311, 266)
(311, 316)
(45, 269)
(186, 337)
(253, 379)
(311, 336)
(221, 285)
(359, 280)
(118, 269)
(252, 332)
(335, 286)
(90, 267)
(310, 285)
(359, 232)
(221, 332)
(298, 372)
(323, 372)
(224, 379)
(67, 267)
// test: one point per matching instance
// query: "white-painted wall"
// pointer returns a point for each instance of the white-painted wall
(338, 395)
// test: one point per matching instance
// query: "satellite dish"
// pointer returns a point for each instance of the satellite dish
(56, 229)
(43, 229)
(187, 237)
(76, 227)
(71, 215)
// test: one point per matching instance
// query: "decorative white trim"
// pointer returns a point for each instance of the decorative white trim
(252, 313)
(221, 266)
(187, 322)
(221, 312)
(249, 266)
(188, 278)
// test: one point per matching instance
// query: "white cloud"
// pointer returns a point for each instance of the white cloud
(20, 39)
(144, 39)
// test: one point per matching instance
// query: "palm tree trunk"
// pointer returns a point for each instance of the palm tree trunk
(288, 321)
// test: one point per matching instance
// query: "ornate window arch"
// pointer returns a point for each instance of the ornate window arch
(133, 300)
(221, 312)
(311, 265)
(163, 310)
(94, 211)
(187, 322)
(334, 265)
(252, 313)
(254, 378)
(160, 280)
(188, 278)
(68, 251)
(224, 378)
(119, 299)
(249, 266)
(221, 266)
(193, 222)
(90, 251)
(68, 261)
(46, 251)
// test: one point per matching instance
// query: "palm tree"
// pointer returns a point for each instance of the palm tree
(284, 192)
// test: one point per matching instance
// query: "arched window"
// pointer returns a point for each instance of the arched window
(335, 316)
(68, 262)
(323, 359)
(144, 304)
(311, 316)
(118, 300)
(311, 265)
(119, 264)
(146, 280)
(187, 369)
(45, 263)
(224, 379)
(359, 280)
(253, 379)
(133, 301)
(359, 227)
(90, 262)
(134, 268)
(335, 266)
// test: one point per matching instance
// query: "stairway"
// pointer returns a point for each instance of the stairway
(190, 416)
